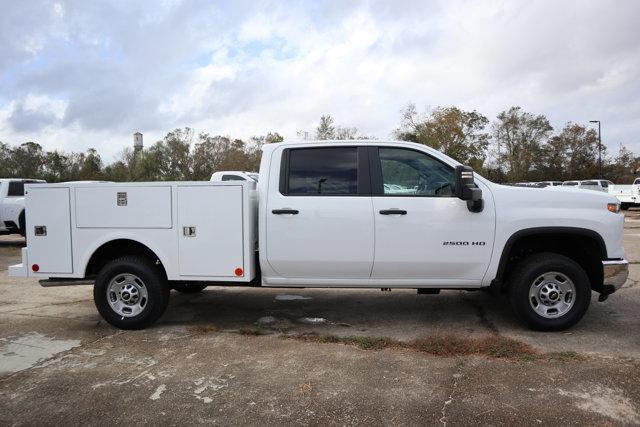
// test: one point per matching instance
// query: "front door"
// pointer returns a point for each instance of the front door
(422, 230)
(319, 220)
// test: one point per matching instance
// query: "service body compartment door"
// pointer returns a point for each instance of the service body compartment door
(210, 230)
(48, 223)
(123, 206)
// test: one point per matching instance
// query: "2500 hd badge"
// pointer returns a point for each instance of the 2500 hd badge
(463, 243)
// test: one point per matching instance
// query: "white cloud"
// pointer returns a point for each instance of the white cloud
(246, 68)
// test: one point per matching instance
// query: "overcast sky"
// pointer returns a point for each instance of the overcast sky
(79, 74)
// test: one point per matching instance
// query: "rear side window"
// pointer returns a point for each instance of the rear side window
(232, 178)
(16, 189)
(323, 172)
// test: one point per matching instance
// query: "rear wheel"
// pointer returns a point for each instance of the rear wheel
(549, 292)
(624, 206)
(22, 225)
(131, 293)
(188, 287)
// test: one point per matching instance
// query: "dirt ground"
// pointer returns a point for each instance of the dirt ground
(275, 356)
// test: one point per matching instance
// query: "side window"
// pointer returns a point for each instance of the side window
(412, 173)
(16, 189)
(232, 178)
(323, 171)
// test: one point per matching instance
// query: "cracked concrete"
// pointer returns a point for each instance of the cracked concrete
(196, 367)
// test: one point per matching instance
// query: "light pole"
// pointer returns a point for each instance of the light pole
(599, 147)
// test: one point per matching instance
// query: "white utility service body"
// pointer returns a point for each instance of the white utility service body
(331, 214)
(198, 230)
(628, 195)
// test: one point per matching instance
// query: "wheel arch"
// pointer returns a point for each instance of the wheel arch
(118, 247)
(539, 239)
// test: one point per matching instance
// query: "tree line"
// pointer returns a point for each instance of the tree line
(515, 146)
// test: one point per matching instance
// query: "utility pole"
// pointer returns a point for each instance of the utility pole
(599, 147)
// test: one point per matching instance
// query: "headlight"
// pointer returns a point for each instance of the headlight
(613, 207)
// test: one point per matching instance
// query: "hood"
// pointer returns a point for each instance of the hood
(557, 196)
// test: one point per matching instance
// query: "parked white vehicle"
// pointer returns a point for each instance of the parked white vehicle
(595, 184)
(12, 217)
(550, 183)
(365, 214)
(590, 184)
(234, 176)
(628, 195)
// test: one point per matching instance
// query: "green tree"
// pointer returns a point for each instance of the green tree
(457, 133)
(27, 161)
(326, 129)
(5, 159)
(519, 136)
(582, 147)
(91, 166)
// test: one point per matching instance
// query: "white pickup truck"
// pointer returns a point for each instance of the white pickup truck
(12, 218)
(628, 195)
(360, 214)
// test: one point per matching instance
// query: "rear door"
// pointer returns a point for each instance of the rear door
(422, 230)
(48, 223)
(319, 218)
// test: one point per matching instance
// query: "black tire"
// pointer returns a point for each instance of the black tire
(624, 206)
(153, 281)
(528, 271)
(22, 225)
(188, 287)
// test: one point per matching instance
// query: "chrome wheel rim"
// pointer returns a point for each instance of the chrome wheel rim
(127, 295)
(552, 295)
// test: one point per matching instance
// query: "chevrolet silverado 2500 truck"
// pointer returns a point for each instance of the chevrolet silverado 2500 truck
(366, 214)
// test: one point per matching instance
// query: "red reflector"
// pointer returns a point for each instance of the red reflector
(239, 272)
(35, 267)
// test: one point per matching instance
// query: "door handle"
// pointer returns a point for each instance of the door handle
(393, 212)
(285, 212)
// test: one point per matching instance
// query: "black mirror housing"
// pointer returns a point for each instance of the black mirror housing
(466, 188)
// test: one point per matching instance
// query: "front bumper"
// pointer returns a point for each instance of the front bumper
(615, 273)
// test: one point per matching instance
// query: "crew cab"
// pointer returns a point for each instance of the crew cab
(358, 214)
(12, 218)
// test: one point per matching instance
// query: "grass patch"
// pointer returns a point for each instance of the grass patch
(255, 331)
(202, 329)
(493, 346)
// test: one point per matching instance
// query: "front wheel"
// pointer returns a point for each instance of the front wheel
(131, 293)
(549, 292)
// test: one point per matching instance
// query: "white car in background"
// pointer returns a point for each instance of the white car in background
(591, 184)
(234, 176)
(12, 219)
(596, 184)
(550, 183)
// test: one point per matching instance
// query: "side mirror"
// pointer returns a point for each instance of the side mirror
(466, 188)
